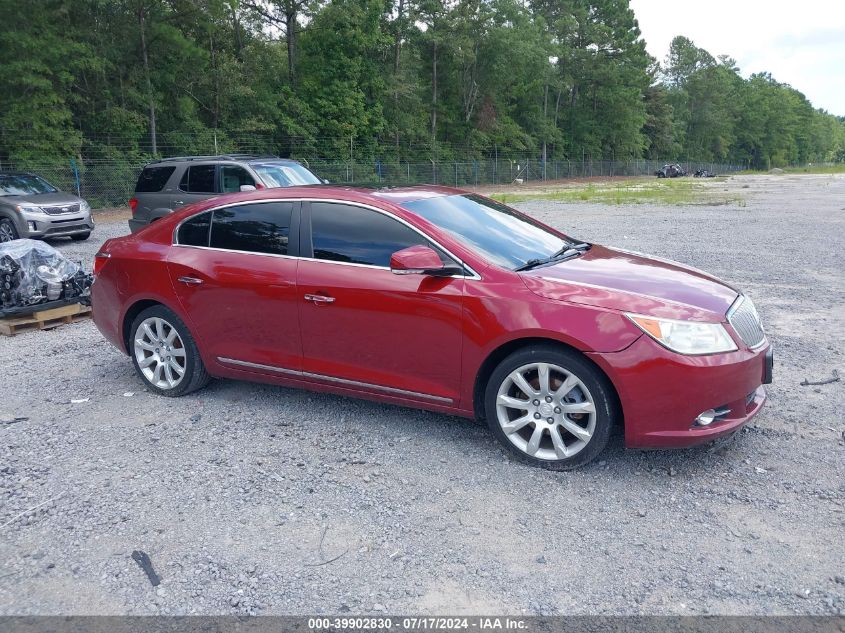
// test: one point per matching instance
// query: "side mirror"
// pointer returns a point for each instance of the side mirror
(245, 188)
(325, 181)
(420, 260)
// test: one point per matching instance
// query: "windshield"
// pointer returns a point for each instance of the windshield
(493, 230)
(24, 185)
(285, 174)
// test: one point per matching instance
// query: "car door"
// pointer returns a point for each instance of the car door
(199, 182)
(362, 325)
(234, 271)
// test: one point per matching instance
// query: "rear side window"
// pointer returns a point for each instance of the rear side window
(198, 179)
(344, 233)
(153, 179)
(194, 232)
(255, 228)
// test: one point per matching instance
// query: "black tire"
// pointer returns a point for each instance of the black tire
(195, 375)
(8, 231)
(603, 396)
(81, 237)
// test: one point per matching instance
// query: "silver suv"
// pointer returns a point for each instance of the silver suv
(32, 207)
(167, 184)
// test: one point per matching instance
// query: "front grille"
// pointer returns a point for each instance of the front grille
(69, 208)
(65, 229)
(745, 320)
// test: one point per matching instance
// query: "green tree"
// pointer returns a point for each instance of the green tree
(341, 73)
(40, 63)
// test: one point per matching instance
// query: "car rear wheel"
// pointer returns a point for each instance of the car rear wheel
(550, 407)
(8, 232)
(164, 353)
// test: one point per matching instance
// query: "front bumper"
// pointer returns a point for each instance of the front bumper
(40, 225)
(662, 393)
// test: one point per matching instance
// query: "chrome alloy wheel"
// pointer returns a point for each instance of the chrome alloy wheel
(7, 233)
(546, 411)
(160, 353)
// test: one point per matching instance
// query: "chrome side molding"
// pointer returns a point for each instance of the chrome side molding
(334, 379)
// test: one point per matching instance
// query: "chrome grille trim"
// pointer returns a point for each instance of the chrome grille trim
(744, 319)
(60, 210)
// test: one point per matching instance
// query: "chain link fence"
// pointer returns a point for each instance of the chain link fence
(110, 183)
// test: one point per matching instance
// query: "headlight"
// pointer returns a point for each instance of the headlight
(31, 208)
(686, 337)
(84, 207)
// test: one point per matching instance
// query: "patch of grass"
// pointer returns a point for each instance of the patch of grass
(807, 169)
(671, 192)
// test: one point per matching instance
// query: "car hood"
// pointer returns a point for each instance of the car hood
(631, 282)
(43, 199)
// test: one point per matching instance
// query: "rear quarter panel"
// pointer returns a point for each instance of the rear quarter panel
(136, 271)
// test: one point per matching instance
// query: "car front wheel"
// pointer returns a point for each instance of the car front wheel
(164, 353)
(550, 407)
(8, 232)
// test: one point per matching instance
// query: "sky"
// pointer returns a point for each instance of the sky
(800, 43)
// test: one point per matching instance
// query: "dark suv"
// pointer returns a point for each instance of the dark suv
(167, 184)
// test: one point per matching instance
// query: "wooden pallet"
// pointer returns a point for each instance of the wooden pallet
(45, 319)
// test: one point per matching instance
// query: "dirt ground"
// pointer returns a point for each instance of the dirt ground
(258, 499)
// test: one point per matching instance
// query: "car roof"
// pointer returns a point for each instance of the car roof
(273, 161)
(377, 196)
(215, 158)
(16, 173)
(394, 195)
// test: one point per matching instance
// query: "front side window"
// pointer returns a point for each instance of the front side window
(194, 231)
(493, 230)
(343, 233)
(24, 185)
(198, 179)
(233, 177)
(153, 179)
(255, 228)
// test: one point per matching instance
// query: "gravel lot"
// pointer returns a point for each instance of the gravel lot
(258, 499)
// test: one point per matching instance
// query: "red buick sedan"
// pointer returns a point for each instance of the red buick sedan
(440, 299)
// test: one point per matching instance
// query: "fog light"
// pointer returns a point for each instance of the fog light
(706, 418)
(32, 226)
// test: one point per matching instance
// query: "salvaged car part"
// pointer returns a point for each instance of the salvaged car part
(670, 171)
(33, 273)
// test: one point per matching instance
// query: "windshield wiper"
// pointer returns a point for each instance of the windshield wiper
(570, 250)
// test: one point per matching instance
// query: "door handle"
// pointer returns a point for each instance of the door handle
(178, 202)
(190, 281)
(319, 299)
